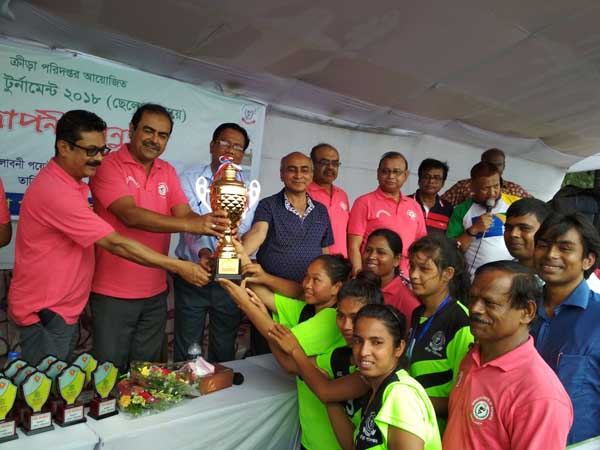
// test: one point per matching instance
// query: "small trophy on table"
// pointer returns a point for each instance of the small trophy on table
(8, 394)
(69, 385)
(35, 391)
(103, 404)
(229, 194)
(88, 364)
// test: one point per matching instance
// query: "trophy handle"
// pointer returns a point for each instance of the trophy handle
(203, 191)
(253, 195)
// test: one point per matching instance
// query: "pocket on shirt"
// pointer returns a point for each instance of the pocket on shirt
(572, 371)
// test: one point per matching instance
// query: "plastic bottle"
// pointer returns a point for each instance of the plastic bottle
(194, 351)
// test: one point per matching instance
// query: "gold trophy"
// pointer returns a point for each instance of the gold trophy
(230, 195)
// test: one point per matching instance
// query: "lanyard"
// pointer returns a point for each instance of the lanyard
(413, 339)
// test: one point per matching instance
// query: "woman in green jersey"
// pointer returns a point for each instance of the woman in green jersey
(398, 414)
(337, 380)
(439, 335)
(312, 320)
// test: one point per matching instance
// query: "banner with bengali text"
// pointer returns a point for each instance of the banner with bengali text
(38, 85)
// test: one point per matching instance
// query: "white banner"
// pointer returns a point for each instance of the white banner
(39, 85)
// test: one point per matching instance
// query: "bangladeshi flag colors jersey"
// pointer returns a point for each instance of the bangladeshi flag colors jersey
(484, 247)
(400, 402)
(437, 353)
(337, 363)
(317, 332)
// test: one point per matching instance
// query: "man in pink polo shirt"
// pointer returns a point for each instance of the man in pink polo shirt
(386, 207)
(326, 161)
(5, 227)
(54, 250)
(139, 195)
(506, 397)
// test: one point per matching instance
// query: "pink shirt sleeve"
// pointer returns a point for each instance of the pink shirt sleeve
(421, 228)
(108, 184)
(357, 222)
(176, 194)
(72, 215)
(4, 212)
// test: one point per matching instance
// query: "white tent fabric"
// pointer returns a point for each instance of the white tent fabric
(522, 76)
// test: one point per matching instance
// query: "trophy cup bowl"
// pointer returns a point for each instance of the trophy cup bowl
(229, 195)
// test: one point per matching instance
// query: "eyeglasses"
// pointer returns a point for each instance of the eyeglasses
(329, 163)
(435, 178)
(227, 145)
(92, 151)
(396, 172)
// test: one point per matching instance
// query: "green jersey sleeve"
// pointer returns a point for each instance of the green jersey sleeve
(455, 225)
(457, 349)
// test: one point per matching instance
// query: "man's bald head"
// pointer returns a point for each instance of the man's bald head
(496, 157)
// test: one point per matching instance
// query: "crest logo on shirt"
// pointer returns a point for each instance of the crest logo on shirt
(483, 409)
(382, 212)
(162, 189)
(130, 179)
(437, 343)
(369, 427)
(344, 206)
(249, 114)
(410, 213)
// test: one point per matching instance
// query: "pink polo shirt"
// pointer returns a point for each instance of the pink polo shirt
(338, 209)
(121, 176)
(514, 402)
(54, 248)
(397, 294)
(376, 210)
(4, 212)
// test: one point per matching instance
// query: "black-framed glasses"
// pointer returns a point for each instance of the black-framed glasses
(436, 178)
(92, 151)
(329, 163)
(228, 145)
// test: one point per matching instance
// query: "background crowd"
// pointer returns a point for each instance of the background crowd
(412, 321)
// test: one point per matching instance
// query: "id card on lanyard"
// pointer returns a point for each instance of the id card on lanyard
(413, 338)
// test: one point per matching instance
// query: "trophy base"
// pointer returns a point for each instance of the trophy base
(69, 415)
(101, 408)
(36, 423)
(8, 431)
(86, 396)
(227, 268)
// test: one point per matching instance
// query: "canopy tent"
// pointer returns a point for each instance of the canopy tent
(522, 76)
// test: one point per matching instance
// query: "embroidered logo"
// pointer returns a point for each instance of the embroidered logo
(437, 343)
(344, 206)
(410, 213)
(130, 179)
(382, 212)
(369, 428)
(483, 409)
(162, 189)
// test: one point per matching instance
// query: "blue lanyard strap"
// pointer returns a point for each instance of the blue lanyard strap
(413, 340)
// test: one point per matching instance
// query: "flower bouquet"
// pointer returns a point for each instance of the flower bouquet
(151, 388)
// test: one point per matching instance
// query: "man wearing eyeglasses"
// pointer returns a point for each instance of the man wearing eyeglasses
(326, 161)
(54, 249)
(432, 176)
(191, 302)
(386, 207)
(140, 195)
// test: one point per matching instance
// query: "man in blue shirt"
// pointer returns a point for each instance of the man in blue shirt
(192, 303)
(566, 331)
(290, 229)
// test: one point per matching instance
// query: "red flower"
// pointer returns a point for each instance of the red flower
(145, 395)
(165, 371)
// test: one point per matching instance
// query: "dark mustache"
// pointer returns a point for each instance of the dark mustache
(476, 318)
(152, 145)
(93, 163)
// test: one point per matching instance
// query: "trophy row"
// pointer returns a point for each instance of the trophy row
(54, 392)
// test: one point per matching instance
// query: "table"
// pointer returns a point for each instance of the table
(262, 413)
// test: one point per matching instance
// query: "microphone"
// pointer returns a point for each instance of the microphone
(489, 204)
